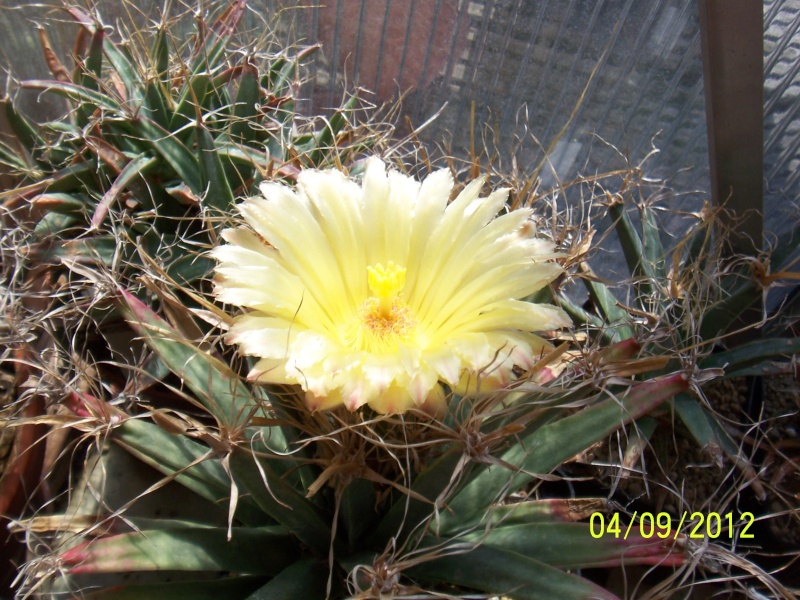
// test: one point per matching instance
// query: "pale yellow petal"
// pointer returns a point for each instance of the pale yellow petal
(510, 314)
(422, 383)
(246, 239)
(259, 335)
(289, 226)
(374, 198)
(396, 216)
(502, 283)
(326, 402)
(429, 210)
(474, 350)
(394, 400)
(335, 203)
(451, 313)
(445, 362)
(381, 370)
(271, 370)
(435, 405)
(450, 234)
(357, 391)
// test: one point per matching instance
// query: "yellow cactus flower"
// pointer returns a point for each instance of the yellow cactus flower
(382, 292)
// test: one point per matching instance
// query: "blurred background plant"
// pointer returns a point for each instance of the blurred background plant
(113, 353)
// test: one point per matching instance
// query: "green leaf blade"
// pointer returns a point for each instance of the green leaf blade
(188, 461)
(572, 546)
(218, 193)
(304, 579)
(255, 551)
(548, 446)
(502, 572)
(281, 500)
(216, 387)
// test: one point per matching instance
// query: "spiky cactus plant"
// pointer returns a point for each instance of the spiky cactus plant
(400, 408)
(156, 137)
(683, 304)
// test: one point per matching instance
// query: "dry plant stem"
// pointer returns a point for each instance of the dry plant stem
(22, 475)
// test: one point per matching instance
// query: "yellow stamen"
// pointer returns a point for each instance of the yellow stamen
(385, 283)
(384, 319)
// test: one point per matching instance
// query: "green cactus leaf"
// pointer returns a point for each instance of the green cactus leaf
(246, 108)
(95, 250)
(23, 130)
(15, 160)
(120, 62)
(751, 353)
(703, 426)
(54, 224)
(549, 510)
(283, 73)
(304, 579)
(229, 588)
(94, 60)
(216, 188)
(718, 318)
(213, 383)
(408, 512)
(281, 77)
(322, 144)
(126, 69)
(548, 446)
(177, 155)
(191, 463)
(357, 510)
(187, 268)
(59, 202)
(652, 249)
(76, 93)
(71, 177)
(134, 169)
(89, 73)
(251, 550)
(155, 103)
(505, 573)
(696, 243)
(615, 318)
(240, 156)
(762, 369)
(208, 55)
(632, 248)
(279, 499)
(785, 245)
(573, 546)
(193, 99)
(159, 54)
(581, 317)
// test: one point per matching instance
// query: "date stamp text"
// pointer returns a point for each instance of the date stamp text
(695, 525)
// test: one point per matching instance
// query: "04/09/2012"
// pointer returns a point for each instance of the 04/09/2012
(696, 525)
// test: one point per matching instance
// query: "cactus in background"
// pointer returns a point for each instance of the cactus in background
(156, 142)
(681, 307)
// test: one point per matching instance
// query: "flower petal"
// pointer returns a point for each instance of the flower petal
(259, 335)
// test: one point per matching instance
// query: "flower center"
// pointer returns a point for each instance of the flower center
(385, 283)
(384, 319)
